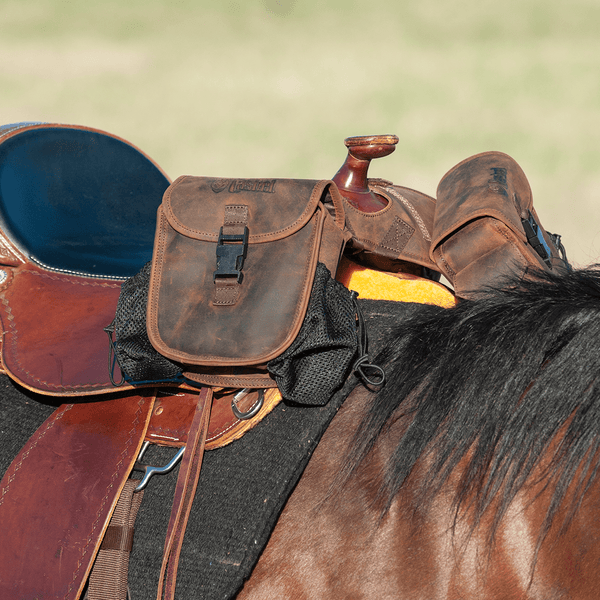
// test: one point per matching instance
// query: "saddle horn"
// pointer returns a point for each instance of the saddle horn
(351, 179)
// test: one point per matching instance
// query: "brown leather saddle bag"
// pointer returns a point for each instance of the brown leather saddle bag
(485, 225)
(232, 272)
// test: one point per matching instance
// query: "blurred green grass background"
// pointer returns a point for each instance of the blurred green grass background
(261, 88)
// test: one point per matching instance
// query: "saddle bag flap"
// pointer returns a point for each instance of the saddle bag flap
(234, 263)
(485, 224)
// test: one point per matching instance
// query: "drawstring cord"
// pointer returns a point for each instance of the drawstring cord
(112, 355)
(370, 374)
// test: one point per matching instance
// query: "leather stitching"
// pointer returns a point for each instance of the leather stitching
(441, 258)
(413, 211)
(37, 437)
(115, 476)
(226, 294)
(311, 207)
(397, 236)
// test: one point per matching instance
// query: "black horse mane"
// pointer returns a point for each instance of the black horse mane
(493, 381)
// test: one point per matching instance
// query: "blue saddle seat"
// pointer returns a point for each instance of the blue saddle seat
(78, 200)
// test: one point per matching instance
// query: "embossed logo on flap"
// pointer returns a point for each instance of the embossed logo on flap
(218, 185)
(498, 182)
(266, 186)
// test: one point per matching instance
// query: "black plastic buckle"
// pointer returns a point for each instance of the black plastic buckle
(536, 239)
(231, 255)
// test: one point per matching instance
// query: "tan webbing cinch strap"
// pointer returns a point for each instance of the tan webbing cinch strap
(187, 482)
(108, 579)
(187, 420)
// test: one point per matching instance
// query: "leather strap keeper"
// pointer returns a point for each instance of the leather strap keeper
(118, 538)
(485, 225)
(232, 271)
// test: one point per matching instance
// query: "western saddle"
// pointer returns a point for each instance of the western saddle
(77, 218)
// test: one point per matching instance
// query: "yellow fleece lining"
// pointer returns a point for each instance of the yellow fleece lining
(400, 287)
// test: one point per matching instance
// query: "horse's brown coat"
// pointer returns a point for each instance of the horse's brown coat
(331, 545)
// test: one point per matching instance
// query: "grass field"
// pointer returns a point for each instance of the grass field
(272, 87)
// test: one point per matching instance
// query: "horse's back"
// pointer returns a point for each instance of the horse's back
(332, 542)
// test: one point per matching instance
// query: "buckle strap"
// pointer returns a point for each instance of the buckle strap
(536, 239)
(231, 255)
(232, 247)
(187, 482)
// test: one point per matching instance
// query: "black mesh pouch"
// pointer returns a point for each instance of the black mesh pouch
(319, 359)
(129, 343)
(308, 373)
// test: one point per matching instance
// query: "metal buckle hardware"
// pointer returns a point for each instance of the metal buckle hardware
(150, 470)
(536, 239)
(254, 410)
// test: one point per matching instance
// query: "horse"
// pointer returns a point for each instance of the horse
(472, 473)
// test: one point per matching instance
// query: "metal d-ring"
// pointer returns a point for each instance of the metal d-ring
(254, 410)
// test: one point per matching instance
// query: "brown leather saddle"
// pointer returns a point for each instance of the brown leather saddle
(77, 217)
